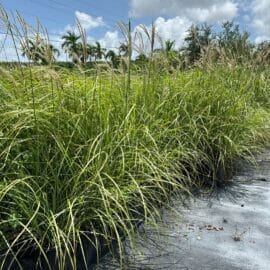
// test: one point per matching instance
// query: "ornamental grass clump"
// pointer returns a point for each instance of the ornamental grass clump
(78, 164)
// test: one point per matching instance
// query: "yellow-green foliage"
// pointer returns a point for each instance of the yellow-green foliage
(81, 156)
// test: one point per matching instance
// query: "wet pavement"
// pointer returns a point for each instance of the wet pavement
(229, 230)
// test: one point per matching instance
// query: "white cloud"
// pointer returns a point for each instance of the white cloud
(215, 13)
(261, 18)
(260, 39)
(198, 10)
(87, 21)
(173, 29)
(111, 40)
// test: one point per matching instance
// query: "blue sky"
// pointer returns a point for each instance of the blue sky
(172, 17)
(55, 15)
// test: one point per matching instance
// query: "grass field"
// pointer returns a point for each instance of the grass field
(85, 154)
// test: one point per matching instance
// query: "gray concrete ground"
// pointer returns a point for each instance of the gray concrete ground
(228, 231)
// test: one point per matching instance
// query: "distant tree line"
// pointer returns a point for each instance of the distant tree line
(201, 45)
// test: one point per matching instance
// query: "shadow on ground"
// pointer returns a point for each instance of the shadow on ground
(228, 230)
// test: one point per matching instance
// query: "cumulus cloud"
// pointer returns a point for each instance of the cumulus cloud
(261, 18)
(217, 12)
(87, 21)
(173, 29)
(111, 40)
(198, 10)
(167, 29)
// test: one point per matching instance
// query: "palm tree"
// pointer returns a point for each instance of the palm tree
(99, 51)
(91, 50)
(48, 53)
(70, 45)
(39, 51)
(113, 57)
(123, 49)
(30, 49)
(83, 52)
